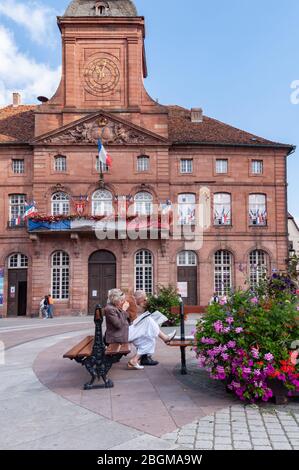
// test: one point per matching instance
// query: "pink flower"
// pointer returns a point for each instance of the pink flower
(254, 300)
(226, 330)
(231, 344)
(223, 301)
(230, 320)
(225, 356)
(255, 353)
(269, 357)
(239, 330)
(218, 326)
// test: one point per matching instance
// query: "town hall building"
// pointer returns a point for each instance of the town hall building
(164, 157)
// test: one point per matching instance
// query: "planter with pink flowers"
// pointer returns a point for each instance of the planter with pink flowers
(248, 341)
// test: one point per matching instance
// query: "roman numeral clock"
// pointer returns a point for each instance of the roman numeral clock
(101, 76)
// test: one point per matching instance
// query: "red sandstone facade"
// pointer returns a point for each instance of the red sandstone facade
(102, 88)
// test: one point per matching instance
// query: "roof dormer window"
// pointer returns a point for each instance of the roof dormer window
(101, 8)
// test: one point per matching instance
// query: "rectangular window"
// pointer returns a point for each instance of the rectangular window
(18, 166)
(186, 166)
(187, 209)
(257, 167)
(17, 204)
(221, 166)
(104, 169)
(143, 164)
(60, 164)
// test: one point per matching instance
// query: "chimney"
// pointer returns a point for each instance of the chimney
(16, 99)
(196, 115)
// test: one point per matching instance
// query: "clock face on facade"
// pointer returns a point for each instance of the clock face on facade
(101, 76)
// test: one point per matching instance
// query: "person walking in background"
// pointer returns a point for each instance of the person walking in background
(50, 306)
(43, 307)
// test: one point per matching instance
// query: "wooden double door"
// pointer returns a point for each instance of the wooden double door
(17, 292)
(101, 278)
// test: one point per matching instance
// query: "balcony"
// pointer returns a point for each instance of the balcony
(147, 225)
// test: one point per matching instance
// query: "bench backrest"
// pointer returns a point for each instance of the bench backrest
(188, 309)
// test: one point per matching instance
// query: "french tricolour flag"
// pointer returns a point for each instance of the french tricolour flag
(104, 157)
(30, 210)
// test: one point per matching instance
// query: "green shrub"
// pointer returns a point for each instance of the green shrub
(165, 298)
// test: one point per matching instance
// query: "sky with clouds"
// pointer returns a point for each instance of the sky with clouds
(236, 59)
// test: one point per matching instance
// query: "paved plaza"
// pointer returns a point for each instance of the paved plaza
(44, 406)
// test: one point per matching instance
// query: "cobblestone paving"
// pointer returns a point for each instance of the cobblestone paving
(242, 428)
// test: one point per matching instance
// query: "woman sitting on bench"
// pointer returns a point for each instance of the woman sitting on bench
(124, 327)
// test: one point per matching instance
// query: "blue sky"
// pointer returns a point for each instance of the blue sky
(236, 59)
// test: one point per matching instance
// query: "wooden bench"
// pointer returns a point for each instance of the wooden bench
(85, 347)
(95, 356)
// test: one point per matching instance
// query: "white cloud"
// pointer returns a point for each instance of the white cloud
(39, 20)
(18, 72)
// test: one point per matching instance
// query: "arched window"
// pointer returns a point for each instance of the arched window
(143, 162)
(222, 209)
(60, 204)
(102, 203)
(144, 271)
(187, 209)
(143, 203)
(18, 261)
(187, 258)
(223, 272)
(258, 209)
(258, 266)
(60, 163)
(60, 275)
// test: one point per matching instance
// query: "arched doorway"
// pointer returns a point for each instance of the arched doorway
(187, 274)
(17, 285)
(101, 277)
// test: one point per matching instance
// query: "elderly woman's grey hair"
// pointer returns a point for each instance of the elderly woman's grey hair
(115, 296)
(140, 294)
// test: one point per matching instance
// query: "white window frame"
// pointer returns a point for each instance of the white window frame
(17, 204)
(257, 167)
(17, 261)
(257, 210)
(143, 203)
(144, 271)
(60, 275)
(224, 269)
(143, 163)
(222, 209)
(258, 266)
(186, 166)
(18, 166)
(102, 203)
(60, 164)
(60, 204)
(221, 166)
(187, 258)
(187, 209)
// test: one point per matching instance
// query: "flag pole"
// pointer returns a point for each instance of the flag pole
(102, 124)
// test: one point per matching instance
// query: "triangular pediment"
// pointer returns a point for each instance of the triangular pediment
(112, 131)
